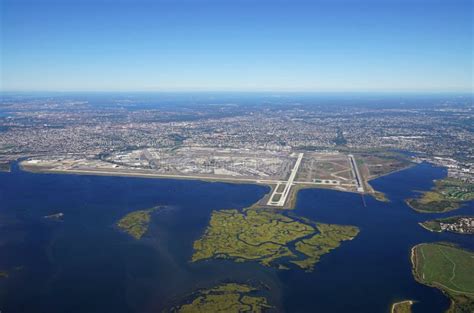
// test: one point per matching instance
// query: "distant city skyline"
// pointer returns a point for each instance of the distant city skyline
(237, 45)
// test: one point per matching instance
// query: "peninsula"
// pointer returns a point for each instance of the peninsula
(454, 224)
(447, 268)
(448, 194)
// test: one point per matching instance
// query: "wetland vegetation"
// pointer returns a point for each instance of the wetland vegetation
(448, 268)
(269, 238)
(228, 298)
(136, 223)
(330, 237)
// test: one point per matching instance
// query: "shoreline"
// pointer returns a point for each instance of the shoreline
(429, 229)
(270, 183)
(413, 264)
(412, 258)
(396, 171)
(429, 212)
(146, 175)
(452, 204)
(443, 231)
(441, 220)
(447, 291)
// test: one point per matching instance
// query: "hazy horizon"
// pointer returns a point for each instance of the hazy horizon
(237, 46)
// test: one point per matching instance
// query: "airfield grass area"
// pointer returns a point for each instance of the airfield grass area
(136, 223)
(373, 165)
(269, 238)
(329, 167)
(448, 268)
(402, 307)
(228, 298)
(447, 195)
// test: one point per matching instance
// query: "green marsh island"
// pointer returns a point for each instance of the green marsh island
(268, 237)
(225, 298)
(448, 194)
(448, 268)
(136, 223)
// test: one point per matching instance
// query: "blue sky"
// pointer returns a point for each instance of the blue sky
(237, 45)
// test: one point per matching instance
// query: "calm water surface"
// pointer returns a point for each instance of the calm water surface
(84, 264)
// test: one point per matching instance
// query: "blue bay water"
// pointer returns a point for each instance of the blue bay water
(84, 264)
